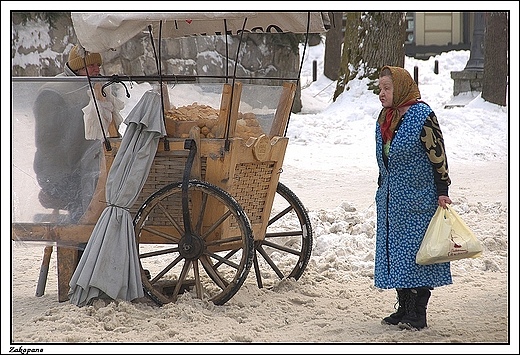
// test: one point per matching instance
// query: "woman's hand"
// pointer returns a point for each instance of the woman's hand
(443, 201)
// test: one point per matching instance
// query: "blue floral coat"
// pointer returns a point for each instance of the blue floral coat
(406, 200)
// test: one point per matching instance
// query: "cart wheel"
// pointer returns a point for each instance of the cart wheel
(171, 258)
(286, 248)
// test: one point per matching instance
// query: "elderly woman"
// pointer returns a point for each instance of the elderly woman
(413, 181)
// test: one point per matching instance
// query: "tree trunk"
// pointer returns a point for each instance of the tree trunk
(494, 82)
(372, 40)
(334, 38)
(351, 52)
(384, 43)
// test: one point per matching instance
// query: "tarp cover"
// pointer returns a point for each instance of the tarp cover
(99, 32)
(110, 263)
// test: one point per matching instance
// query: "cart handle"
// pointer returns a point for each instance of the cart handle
(114, 79)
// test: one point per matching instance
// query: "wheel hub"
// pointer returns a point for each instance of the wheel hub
(191, 246)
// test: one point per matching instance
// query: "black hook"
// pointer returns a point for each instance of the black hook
(115, 79)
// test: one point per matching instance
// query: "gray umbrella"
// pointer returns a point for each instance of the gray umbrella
(110, 263)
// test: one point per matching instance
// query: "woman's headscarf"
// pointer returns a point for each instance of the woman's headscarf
(406, 93)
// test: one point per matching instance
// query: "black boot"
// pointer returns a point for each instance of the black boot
(395, 318)
(415, 309)
(423, 296)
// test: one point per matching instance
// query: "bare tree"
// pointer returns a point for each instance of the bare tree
(372, 40)
(496, 42)
(334, 38)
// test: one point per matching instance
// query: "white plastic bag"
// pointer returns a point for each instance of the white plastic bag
(447, 238)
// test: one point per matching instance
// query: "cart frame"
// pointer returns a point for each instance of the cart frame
(222, 218)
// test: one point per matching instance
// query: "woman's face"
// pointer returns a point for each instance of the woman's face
(386, 96)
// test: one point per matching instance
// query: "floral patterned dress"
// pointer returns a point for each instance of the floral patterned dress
(406, 200)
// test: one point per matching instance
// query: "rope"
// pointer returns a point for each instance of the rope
(114, 205)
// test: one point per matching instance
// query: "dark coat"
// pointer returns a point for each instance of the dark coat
(65, 163)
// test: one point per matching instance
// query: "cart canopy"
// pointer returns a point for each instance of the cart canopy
(103, 31)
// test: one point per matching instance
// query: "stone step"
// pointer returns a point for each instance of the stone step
(462, 99)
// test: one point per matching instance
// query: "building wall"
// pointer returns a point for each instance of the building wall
(438, 28)
(437, 32)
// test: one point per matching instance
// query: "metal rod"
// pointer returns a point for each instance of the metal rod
(159, 72)
(226, 144)
(301, 67)
(227, 49)
(108, 147)
(166, 143)
(140, 78)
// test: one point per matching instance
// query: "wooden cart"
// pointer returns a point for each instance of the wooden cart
(205, 214)
(212, 207)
